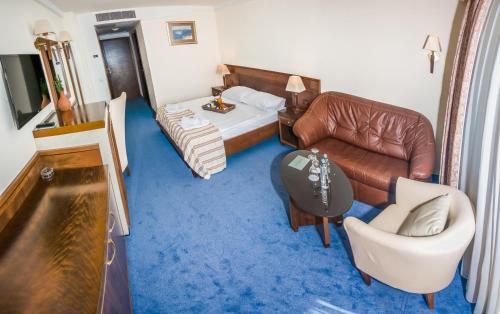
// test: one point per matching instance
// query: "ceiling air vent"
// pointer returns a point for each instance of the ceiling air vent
(117, 15)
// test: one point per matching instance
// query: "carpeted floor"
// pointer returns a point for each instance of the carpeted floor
(225, 245)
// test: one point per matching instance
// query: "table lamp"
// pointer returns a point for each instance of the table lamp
(223, 70)
(295, 86)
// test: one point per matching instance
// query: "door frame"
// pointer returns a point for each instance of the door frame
(143, 83)
(106, 67)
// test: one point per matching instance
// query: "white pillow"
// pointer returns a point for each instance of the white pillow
(427, 219)
(237, 93)
(264, 101)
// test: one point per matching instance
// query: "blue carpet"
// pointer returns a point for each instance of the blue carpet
(225, 245)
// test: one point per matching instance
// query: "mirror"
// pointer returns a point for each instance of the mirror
(73, 72)
(58, 67)
(61, 73)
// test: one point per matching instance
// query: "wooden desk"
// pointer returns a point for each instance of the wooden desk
(61, 253)
(85, 125)
(80, 118)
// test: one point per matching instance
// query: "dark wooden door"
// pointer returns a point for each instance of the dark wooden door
(120, 67)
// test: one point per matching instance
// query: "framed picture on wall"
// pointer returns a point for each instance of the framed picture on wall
(182, 33)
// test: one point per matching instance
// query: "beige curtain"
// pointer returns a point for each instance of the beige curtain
(480, 170)
(463, 65)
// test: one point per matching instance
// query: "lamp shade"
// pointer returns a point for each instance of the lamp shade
(295, 84)
(222, 69)
(432, 43)
(64, 36)
(42, 27)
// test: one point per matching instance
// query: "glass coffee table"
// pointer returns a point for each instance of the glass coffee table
(306, 203)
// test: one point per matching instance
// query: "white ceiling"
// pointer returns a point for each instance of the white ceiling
(103, 5)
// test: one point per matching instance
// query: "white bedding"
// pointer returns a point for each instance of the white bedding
(244, 118)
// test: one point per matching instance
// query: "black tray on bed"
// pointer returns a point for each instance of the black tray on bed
(212, 107)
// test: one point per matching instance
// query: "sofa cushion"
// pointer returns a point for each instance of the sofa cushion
(373, 169)
(427, 219)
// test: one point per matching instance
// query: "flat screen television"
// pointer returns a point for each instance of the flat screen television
(26, 86)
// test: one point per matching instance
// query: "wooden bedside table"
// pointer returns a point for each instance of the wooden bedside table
(286, 120)
(216, 91)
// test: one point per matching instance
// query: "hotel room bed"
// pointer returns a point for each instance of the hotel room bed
(244, 118)
(239, 129)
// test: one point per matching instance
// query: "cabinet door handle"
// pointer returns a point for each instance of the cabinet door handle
(114, 223)
(109, 262)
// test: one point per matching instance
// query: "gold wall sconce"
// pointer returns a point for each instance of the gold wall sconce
(50, 46)
(433, 46)
(42, 28)
(64, 38)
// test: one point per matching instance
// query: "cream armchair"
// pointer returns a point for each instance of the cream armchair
(414, 264)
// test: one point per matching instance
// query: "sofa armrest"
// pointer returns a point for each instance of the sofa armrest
(310, 128)
(423, 152)
(417, 265)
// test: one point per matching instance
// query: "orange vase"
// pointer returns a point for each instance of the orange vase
(67, 117)
(63, 104)
(45, 101)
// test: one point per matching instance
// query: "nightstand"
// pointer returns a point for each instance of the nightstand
(286, 120)
(216, 91)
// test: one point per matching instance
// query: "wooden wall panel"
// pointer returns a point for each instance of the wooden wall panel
(274, 83)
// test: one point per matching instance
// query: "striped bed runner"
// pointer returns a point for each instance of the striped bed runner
(202, 148)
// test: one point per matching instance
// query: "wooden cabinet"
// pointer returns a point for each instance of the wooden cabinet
(116, 294)
(62, 251)
(287, 119)
(216, 91)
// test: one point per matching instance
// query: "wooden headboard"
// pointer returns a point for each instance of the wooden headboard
(273, 83)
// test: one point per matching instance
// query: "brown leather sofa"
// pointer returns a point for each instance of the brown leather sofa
(374, 143)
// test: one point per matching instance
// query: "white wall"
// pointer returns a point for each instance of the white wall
(368, 48)
(18, 146)
(175, 72)
(187, 71)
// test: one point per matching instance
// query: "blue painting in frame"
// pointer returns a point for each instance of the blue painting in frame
(182, 33)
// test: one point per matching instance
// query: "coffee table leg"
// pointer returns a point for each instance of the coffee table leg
(338, 221)
(326, 233)
(294, 217)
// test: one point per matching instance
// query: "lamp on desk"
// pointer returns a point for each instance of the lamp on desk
(433, 45)
(295, 86)
(223, 70)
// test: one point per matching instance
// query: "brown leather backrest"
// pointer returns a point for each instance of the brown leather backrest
(371, 125)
